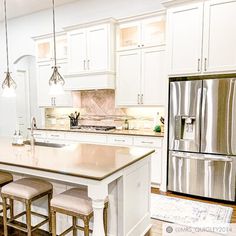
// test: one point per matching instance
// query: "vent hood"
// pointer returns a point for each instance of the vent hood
(102, 80)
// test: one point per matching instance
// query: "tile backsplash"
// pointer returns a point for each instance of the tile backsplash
(97, 107)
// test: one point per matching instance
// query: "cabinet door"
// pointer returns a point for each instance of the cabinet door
(44, 74)
(220, 36)
(185, 39)
(128, 78)
(153, 31)
(129, 36)
(63, 100)
(156, 166)
(154, 77)
(77, 52)
(44, 50)
(97, 48)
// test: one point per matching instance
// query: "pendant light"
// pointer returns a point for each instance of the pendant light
(56, 81)
(8, 85)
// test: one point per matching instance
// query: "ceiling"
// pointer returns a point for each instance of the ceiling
(16, 8)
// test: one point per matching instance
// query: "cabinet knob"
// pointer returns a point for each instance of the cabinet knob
(138, 98)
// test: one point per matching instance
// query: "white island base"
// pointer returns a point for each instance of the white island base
(128, 190)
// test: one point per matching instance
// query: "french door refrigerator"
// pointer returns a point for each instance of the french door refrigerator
(202, 138)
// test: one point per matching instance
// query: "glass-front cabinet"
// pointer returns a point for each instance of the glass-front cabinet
(44, 48)
(143, 33)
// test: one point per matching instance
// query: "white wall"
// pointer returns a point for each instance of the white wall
(21, 31)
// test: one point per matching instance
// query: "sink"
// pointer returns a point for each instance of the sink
(54, 145)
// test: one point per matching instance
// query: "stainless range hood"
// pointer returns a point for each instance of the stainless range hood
(99, 80)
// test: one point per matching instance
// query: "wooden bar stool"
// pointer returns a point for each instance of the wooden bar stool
(76, 203)
(26, 190)
(6, 178)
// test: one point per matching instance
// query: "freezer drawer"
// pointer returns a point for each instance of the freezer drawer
(211, 176)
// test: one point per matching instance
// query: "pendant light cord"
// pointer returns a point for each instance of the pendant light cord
(6, 32)
(54, 33)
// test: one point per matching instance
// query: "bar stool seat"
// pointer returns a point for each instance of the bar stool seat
(76, 203)
(75, 200)
(5, 178)
(26, 188)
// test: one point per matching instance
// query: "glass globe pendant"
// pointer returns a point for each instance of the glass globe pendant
(8, 85)
(56, 81)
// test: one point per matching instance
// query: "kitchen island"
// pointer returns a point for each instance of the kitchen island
(121, 173)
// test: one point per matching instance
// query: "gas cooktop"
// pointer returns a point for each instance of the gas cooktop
(93, 128)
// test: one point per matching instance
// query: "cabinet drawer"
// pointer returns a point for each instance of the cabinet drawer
(120, 140)
(56, 135)
(39, 134)
(86, 138)
(148, 142)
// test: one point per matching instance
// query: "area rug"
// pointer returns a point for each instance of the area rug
(188, 213)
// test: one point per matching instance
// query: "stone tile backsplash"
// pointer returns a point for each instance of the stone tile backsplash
(98, 108)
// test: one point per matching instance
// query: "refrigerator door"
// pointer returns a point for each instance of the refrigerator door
(211, 176)
(218, 131)
(184, 115)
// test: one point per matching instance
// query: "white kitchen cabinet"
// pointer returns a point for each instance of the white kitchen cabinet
(156, 160)
(185, 39)
(77, 56)
(201, 38)
(141, 77)
(90, 50)
(45, 47)
(44, 72)
(128, 78)
(154, 78)
(141, 33)
(219, 54)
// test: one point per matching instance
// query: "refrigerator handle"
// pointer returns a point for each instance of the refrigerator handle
(198, 114)
(203, 134)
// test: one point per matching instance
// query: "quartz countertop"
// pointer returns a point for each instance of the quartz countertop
(82, 160)
(135, 132)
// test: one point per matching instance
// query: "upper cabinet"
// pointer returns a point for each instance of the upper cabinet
(45, 60)
(185, 38)
(91, 49)
(141, 72)
(199, 41)
(141, 33)
(44, 48)
(219, 52)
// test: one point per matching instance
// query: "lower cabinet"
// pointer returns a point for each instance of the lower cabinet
(113, 140)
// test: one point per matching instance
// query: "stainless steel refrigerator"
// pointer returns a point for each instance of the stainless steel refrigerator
(202, 138)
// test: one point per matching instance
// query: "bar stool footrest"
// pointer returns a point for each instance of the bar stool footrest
(24, 228)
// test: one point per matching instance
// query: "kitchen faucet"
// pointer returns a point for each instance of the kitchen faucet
(33, 126)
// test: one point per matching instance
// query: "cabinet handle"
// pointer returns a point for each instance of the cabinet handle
(139, 46)
(55, 135)
(84, 64)
(88, 65)
(205, 64)
(142, 45)
(141, 98)
(198, 65)
(146, 142)
(138, 98)
(120, 140)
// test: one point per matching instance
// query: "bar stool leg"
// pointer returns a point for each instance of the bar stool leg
(4, 201)
(49, 214)
(11, 201)
(54, 225)
(28, 217)
(105, 218)
(86, 226)
(74, 226)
